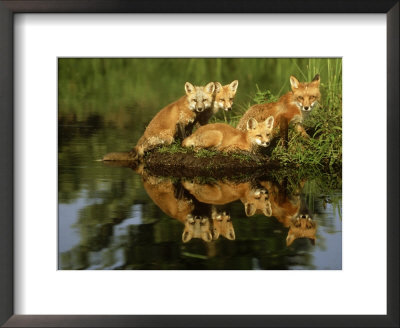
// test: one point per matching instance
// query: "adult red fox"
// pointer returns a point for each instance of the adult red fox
(174, 120)
(289, 109)
(223, 100)
(224, 137)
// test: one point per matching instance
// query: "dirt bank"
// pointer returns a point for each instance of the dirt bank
(189, 165)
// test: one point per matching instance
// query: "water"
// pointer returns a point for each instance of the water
(121, 218)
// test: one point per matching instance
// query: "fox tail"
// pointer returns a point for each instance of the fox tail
(132, 155)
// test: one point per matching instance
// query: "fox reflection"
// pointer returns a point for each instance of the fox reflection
(291, 210)
(197, 227)
(222, 225)
(198, 206)
(203, 221)
(255, 200)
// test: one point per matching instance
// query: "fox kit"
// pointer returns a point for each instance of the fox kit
(255, 200)
(289, 109)
(222, 225)
(197, 227)
(302, 226)
(184, 209)
(174, 120)
(223, 100)
(292, 212)
(223, 137)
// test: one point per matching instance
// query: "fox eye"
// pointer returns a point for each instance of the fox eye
(301, 98)
(312, 97)
(268, 134)
(230, 99)
(259, 135)
(194, 100)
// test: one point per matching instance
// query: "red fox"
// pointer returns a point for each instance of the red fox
(255, 200)
(222, 225)
(290, 108)
(163, 192)
(174, 120)
(292, 212)
(302, 226)
(224, 137)
(223, 100)
(197, 227)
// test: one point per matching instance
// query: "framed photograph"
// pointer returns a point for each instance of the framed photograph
(164, 162)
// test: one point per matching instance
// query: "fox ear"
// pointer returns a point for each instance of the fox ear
(316, 79)
(294, 82)
(210, 87)
(234, 85)
(252, 124)
(269, 122)
(231, 234)
(189, 88)
(206, 236)
(215, 233)
(186, 236)
(267, 209)
(218, 87)
(250, 209)
(290, 239)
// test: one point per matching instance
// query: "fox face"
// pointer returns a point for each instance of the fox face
(222, 225)
(197, 227)
(224, 95)
(260, 134)
(301, 227)
(257, 201)
(200, 98)
(306, 95)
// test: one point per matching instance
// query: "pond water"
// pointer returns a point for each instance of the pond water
(126, 219)
(120, 218)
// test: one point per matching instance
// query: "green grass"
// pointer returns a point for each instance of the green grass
(201, 153)
(128, 91)
(174, 148)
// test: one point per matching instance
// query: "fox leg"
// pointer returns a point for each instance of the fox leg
(184, 130)
(209, 139)
(299, 128)
(139, 151)
(284, 131)
(163, 138)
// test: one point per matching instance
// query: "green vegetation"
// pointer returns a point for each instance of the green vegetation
(125, 89)
(173, 148)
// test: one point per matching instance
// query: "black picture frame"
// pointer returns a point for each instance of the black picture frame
(7, 11)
